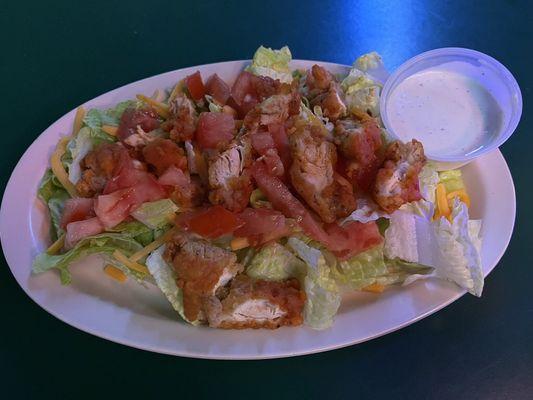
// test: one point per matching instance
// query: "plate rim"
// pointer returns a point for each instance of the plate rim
(8, 193)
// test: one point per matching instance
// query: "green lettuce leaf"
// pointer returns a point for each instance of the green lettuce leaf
(95, 118)
(361, 91)
(105, 244)
(156, 214)
(452, 180)
(372, 64)
(139, 231)
(322, 293)
(371, 267)
(272, 63)
(275, 263)
(458, 256)
(54, 195)
(165, 278)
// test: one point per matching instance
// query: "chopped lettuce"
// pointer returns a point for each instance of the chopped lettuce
(165, 278)
(372, 64)
(361, 92)
(452, 180)
(428, 178)
(156, 214)
(458, 257)
(275, 263)
(95, 118)
(272, 63)
(79, 146)
(259, 200)
(54, 195)
(139, 231)
(367, 210)
(105, 244)
(212, 104)
(400, 237)
(322, 293)
(371, 267)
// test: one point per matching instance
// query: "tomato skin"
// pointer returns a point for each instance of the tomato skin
(217, 88)
(281, 142)
(213, 222)
(214, 130)
(195, 86)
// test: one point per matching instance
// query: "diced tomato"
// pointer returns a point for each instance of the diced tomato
(352, 238)
(283, 200)
(76, 209)
(195, 86)
(174, 177)
(213, 222)
(214, 129)
(244, 93)
(81, 229)
(262, 141)
(217, 88)
(126, 178)
(281, 142)
(113, 208)
(262, 225)
(146, 118)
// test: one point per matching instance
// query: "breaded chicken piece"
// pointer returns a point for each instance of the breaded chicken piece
(100, 165)
(160, 154)
(183, 118)
(257, 304)
(273, 110)
(202, 269)
(361, 145)
(397, 180)
(325, 91)
(312, 174)
(229, 181)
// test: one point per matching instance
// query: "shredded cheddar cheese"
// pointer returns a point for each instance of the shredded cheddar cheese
(78, 120)
(463, 196)
(374, 288)
(152, 246)
(160, 108)
(110, 129)
(58, 170)
(130, 264)
(443, 209)
(239, 243)
(56, 246)
(115, 273)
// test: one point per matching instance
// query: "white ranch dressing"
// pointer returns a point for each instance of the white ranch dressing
(451, 114)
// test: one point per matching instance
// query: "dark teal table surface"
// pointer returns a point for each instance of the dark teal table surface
(56, 55)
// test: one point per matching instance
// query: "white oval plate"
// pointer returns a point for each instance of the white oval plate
(140, 316)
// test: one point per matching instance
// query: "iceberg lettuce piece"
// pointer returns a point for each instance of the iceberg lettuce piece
(272, 63)
(95, 118)
(361, 92)
(367, 210)
(78, 147)
(275, 263)
(105, 244)
(371, 267)
(400, 237)
(156, 214)
(372, 64)
(452, 180)
(322, 293)
(458, 257)
(165, 279)
(54, 195)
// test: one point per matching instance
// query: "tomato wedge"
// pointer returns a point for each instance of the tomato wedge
(214, 129)
(217, 88)
(195, 86)
(213, 222)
